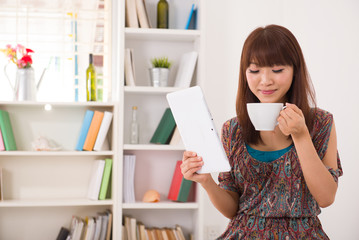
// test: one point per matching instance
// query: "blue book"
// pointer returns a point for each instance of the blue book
(192, 19)
(84, 129)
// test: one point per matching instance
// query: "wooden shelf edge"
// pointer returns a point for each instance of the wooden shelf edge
(55, 203)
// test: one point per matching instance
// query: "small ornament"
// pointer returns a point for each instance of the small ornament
(44, 144)
(151, 196)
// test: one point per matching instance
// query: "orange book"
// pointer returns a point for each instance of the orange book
(93, 131)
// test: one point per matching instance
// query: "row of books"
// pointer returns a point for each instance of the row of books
(7, 139)
(137, 15)
(184, 74)
(94, 130)
(136, 230)
(100, 181)
(97, 227)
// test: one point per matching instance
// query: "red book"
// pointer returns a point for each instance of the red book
(176, 182)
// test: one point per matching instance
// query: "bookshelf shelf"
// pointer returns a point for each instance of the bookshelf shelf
(54, 203)
(153, 34)
(160, 205)
(151, 90)
(154, 147)
(56, 153)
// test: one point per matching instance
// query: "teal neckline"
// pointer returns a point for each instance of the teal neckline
(267, 156)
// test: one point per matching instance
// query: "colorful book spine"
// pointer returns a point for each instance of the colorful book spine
(7, 131)
(93, 131)
(2, 146)
(106, 178)
(84, 129)
(180, 187)
(102, 133)
(165, 128)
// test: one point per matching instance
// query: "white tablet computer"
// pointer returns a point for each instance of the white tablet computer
(196, 127)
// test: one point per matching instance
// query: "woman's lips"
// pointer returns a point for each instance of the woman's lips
(267, 91)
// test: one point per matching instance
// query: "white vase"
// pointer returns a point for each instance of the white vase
(25, 86)
(159, 77)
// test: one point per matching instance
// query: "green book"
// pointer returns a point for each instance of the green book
(164, 129)
(6, 131)
(184, 190)
(106, 177)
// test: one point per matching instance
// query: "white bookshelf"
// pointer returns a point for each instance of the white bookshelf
(155, 163)
(44, 189)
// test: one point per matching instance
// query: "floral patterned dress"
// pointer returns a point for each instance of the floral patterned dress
(274, 201)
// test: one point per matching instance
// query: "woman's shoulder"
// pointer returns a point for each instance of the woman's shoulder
(322, 116)
(231, 124)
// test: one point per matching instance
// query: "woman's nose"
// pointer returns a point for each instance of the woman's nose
(266, 78)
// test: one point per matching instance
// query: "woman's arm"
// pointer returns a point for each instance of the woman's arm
(225, 201)
(320, 182)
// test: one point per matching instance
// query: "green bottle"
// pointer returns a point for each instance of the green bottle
(162, 14)
(91, 81)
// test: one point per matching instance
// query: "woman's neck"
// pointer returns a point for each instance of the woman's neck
(272, 141)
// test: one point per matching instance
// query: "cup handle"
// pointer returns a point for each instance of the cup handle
(284, 107)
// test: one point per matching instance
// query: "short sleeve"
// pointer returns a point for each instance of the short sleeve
(227, 179)
(322, 129)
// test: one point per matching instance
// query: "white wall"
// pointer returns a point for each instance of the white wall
(328, 32)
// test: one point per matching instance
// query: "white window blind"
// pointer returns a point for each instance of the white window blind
(62, 34)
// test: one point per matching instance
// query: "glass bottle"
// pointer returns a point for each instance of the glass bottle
(162, 14)
(91, 80)
(134, 127)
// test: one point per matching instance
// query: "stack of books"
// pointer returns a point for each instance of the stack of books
(129, 162)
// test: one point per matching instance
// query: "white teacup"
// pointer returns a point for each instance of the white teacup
(264, 115)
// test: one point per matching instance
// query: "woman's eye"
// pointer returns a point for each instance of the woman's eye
(253, 71)
(277, 71)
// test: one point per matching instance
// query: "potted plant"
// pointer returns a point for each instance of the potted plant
(160, 71)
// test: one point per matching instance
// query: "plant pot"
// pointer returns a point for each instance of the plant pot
(159, 77)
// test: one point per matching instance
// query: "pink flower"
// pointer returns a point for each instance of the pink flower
(18, 55)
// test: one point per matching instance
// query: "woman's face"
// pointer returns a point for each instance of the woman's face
(269, 84)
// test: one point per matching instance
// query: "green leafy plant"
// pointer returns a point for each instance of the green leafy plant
(161, 62)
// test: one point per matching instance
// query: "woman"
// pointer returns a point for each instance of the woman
(279, 179)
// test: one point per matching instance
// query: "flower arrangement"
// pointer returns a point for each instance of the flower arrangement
(19, 55)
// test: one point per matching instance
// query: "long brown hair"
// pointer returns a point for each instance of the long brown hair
(269, 46)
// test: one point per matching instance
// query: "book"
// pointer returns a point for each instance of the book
(84, 129)
(93, 131)
(180, 232)
(176, 138)
(102, 133)
(109, 225)
(180, 187)
(192, 19)
(142, 14)
(105, 179)
(2, 146)
(165, 128)
(98, 227)
(129, 68)
(95, 179)
(63, 234)
(131, 14)
(90, 228)
(186, 69)
(77, 228)
(7, 131)
(129, 162)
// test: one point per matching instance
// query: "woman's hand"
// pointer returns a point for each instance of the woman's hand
(191, 163)
(291, 120)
